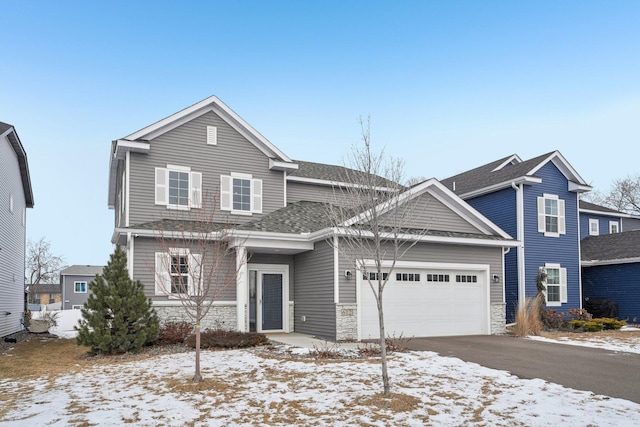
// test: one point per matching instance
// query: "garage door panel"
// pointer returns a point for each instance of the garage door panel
(428, 308)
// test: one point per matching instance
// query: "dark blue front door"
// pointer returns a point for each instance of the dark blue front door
(271, 301)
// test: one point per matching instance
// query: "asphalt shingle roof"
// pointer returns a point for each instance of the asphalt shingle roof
(332, 173)
(299, 217)
(611, 246)
(46, 288)
(593, 207)
(485, 176)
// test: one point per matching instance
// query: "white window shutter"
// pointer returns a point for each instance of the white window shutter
(226, 189)
(541, 220)
(212, 135)
(163, 278)
(195, 201)
(256, 195)
(195, 271)
(162, 187)
(563, 285)
(562, 228)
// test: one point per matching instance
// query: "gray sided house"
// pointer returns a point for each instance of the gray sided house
(75, 282)
(292, 275)
(15, 196)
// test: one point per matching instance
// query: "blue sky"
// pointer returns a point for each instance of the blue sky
(448, 85)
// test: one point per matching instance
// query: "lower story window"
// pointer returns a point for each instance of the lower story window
(77, 307)
(553, 285)
(179, 274)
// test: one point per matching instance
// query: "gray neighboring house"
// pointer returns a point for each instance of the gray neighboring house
(75, 282)
(291, 278)
(16, 196)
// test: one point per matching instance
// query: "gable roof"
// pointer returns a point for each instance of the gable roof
(589, 207)
(10, 133)
(324, 174)
(82, 270)
(139, 140)
(501, 173)
(48, 288)
(611, 248)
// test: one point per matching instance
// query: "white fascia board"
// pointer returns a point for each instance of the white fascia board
(594, 263)
(432, 239)
(329, 183)
(273, 243)
(529, 180)
(575, 187)
(119, 148)
(613, 214)
(508, 161)
(7, 132)
(282, 166)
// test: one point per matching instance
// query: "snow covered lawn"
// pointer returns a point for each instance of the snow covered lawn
(259, 387)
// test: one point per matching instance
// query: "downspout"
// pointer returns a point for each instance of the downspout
(505, 251)
(520, 237)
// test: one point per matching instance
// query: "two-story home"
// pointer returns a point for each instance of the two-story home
(16, 196)
(293, 276)
(75, 282)
(535, 201)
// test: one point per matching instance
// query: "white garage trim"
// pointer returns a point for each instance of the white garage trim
(482, 270)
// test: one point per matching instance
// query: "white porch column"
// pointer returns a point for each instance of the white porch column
(241, 288)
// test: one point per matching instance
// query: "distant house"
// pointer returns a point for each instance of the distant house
(15, 196)
(44, 294)
(611, 269)
(596, 220)
(75, 281)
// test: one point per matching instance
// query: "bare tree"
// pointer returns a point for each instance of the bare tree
(42, 266)
(623, 196)
(372, 229)
(197, 263)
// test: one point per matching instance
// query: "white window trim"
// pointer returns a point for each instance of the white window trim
(611, 225)
(76, 307)
(542, 216)
(163, 275)
(226, 194)
(563, 285)
(162, 188)
(86, 285)
(593, 221)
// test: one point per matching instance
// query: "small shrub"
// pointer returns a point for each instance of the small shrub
(553, 320)
(612, 324)
(577, 324)
(221, 338)
(580, 314)
(174, 333)
(593, 325)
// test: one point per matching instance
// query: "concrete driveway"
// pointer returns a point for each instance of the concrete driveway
(609, 373)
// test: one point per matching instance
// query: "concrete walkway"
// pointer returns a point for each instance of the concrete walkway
(308, 341)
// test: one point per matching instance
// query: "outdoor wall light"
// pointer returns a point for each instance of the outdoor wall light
(348, 274)
(7, 313)
(496, 278)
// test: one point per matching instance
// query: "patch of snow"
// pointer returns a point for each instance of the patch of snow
(247, 387)
(64, 334)
(631, 345)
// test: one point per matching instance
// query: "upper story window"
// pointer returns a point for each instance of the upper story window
(80, 287)
(555, 285)
(594, 227)
(551, 218)
(240, 194)
(613, 227)
(177, 187)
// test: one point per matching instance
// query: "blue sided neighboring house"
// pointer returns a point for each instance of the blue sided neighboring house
(535, 201)
(596, 220)
(611, 270)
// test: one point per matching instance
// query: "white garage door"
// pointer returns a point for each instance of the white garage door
(428, 302)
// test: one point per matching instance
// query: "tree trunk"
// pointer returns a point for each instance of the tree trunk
(383, 348)
(197, 377)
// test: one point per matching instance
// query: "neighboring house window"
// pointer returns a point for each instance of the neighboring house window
(80, 287)
(76, 307)
(240, 194)
(51, 299)
(613, 227)
(177, 187)
(555, 285)
(212, 135)
(594, 227)
(176, 272)
(551, 219)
